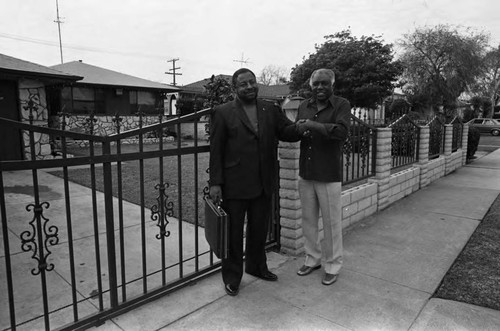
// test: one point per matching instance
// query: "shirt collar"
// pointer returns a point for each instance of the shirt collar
(312, 101)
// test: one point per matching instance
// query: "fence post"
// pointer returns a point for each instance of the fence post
(448, 138)
(465, 142)
(290, 208)
(383, 164)
(110, 228)
(423, 155)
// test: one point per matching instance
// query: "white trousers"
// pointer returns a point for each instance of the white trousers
(324, 196)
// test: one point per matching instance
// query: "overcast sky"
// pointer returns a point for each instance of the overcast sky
(138, 37)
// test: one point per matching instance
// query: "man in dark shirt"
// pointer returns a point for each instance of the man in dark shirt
(324, 121)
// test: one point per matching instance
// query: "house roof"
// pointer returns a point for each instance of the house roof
(199, 86)
(274, 91)
(99, 76)
(265, 91)
(16, 67)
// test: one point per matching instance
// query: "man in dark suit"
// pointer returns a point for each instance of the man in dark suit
(243, 173)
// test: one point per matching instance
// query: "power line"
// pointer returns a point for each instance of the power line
(76, 47)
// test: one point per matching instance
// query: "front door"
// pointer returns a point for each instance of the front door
(10, 139)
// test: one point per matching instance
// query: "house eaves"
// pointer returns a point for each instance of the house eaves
(93, 75)
(13, 68)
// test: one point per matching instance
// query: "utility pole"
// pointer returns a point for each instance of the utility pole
(174, 68)
(242, 61)
(58, 21)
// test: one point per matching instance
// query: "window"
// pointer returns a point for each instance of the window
(145, 102)
(478, 121)
(83, 100)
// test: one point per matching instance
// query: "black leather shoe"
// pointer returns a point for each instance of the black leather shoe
(231, 290)
(329, 279)
(306, 270)
(265, 275)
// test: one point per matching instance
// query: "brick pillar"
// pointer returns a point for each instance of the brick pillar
(383, 164)
(290, 208)
(423, 155)
(465, 142)
(448, 137)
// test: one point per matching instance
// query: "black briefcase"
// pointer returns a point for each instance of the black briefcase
(216, 228)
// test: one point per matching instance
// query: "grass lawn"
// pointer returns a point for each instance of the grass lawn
(474, 277)
(190, 195)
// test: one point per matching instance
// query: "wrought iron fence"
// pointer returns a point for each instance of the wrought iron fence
(367, 116)
(405, 142)
(457, 129)
(358, 152)
(134, 234)
(436, 137)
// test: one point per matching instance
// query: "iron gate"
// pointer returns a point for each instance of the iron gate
(129, 232)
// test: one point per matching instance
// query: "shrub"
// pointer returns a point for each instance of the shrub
(472, 141)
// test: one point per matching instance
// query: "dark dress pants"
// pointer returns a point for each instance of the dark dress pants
(257, 211)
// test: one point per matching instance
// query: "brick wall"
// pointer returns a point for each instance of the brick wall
(383, 189)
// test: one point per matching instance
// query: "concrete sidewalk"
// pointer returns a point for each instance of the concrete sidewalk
(394, 261)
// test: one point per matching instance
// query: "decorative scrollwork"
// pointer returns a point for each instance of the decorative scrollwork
(364, 150)
(89, 123)
(162, 210)
(206, 189)
(48, 237)
(117, 120)
(347, 150)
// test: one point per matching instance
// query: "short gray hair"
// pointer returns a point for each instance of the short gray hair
(329, 72)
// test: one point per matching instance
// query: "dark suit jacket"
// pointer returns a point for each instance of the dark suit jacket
(243, 161)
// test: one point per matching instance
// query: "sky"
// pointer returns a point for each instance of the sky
(140, 37)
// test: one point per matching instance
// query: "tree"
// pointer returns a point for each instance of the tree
(440, 63)
(396, 109)
(488, 83)
(273, 75)
(364, 68)
(480, 105)
(218, 91)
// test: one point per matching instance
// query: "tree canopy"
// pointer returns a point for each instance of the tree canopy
(441, 62)
(273, 75)
(365, 69)
(218, 91)
(487, 84)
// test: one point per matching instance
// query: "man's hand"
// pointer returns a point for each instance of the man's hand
(313, 125)
(216, 193)
(302, 128)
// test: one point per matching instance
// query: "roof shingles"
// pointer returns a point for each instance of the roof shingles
(99, 76)
(14, 65)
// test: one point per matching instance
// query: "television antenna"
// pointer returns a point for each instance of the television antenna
(242, 60)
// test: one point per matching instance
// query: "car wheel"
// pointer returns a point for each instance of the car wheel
(495, 132)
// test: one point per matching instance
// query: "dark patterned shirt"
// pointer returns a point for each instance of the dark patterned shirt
(321, 152)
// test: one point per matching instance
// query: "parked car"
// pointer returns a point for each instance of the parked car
(486, 125)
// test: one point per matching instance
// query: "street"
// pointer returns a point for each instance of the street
(488, 142)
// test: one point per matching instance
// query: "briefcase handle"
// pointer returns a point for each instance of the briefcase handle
(216, 204)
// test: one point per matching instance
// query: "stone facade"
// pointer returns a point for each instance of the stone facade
(33, 110)
(106, 125)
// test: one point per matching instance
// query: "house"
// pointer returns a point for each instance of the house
(23, 97)
(106, 92)
(192, 95)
